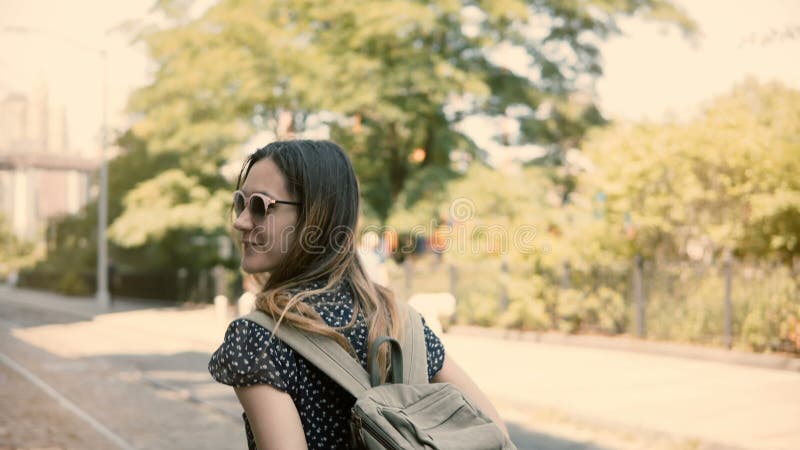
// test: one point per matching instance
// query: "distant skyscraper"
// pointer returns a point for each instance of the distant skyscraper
(58, 140)
(13, 121)
(39, 117)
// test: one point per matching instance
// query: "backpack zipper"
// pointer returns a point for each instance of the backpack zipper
(369, 426)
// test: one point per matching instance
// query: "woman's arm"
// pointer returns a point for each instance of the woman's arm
(452, 373)
(273, 417)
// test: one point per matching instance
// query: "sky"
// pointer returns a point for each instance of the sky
(62, 48)
(650, 73)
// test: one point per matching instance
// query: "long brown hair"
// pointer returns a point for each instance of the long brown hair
(320, 176)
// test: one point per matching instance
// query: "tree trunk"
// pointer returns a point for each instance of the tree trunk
(397, 164)
(430, 135)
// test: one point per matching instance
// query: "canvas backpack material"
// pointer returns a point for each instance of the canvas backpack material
(409, 412)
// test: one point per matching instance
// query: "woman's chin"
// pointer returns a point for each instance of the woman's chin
(254, 267)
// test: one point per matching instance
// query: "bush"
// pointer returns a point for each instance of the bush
(571, 310)
(529, 299)
(606, 311)
(478, 306)
(70, 283)
(527, 315)
(772, 322)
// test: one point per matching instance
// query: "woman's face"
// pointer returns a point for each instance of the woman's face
(266, 241)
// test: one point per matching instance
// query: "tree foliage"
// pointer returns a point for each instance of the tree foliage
(387, 77)
(680, 194)
(14, 252)
(727, 180)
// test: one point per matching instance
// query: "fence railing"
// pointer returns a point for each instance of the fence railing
(726, 303)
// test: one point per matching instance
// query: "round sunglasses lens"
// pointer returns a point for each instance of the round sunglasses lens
(238, 203)
(257, 208)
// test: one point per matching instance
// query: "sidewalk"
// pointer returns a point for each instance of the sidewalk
(625, 343)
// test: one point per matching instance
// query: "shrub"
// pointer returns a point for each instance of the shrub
(70, 283)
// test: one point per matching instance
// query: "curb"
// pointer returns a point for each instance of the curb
(84, 307)
(734, 357)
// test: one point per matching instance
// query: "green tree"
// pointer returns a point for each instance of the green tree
(14, 252)
(728, 178)
(387, 77)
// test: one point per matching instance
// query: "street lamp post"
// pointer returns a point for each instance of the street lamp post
(102, 296)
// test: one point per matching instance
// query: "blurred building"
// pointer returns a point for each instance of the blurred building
(40, 175)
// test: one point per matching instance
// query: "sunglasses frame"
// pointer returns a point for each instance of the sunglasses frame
(268, 201)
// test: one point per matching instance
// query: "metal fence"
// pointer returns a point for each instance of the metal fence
(725, 303)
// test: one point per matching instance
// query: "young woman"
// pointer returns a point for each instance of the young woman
(296, 205)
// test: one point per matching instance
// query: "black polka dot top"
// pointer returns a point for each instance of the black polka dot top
(245, 359)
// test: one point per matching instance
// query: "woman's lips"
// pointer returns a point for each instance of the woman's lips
(253, 245)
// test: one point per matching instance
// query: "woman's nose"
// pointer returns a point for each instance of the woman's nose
(243, 222)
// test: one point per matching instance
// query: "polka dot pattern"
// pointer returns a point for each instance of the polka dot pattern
(247, 357)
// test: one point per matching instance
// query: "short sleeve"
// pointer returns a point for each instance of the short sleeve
(248, 357)
(435, 351)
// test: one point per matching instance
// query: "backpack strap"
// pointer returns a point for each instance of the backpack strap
(415, 352)
(328, 356)
(322, 352)
(396, 374)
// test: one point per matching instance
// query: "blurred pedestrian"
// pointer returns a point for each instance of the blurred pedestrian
(247, 301)
(372, 259)
(296, 205)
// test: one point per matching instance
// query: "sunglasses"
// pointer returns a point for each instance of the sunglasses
(258, 204)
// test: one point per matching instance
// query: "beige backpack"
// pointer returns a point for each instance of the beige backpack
(409, 412)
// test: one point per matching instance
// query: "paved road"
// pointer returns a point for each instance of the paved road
(694, 400)
(140, 375)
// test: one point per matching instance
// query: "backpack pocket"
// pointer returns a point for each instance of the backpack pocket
(432, 416)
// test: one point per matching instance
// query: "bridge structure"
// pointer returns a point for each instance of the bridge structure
(47, 161)
(36, 185)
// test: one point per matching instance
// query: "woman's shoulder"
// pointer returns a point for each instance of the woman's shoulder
(435, 350)
(243, 329)
(249, 354)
